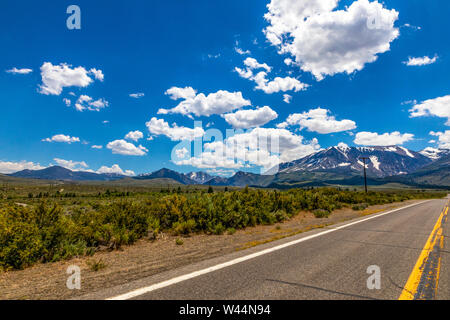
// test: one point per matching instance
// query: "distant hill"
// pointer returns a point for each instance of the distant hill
(167, 174)
(437, 174)
(63, 174)
(242, 179)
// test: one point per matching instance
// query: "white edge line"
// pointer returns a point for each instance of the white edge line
(142, 291)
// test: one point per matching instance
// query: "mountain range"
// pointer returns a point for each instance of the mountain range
(380, 161)
(341, 165)
(63, 174)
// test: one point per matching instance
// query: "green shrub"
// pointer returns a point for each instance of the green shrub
(179, 242)
(96, 265)
(45, 232)
(360, 207)
(321, 213)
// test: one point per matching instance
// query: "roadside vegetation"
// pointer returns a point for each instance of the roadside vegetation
(58, 225)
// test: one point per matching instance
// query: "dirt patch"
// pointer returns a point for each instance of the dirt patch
(146, 258)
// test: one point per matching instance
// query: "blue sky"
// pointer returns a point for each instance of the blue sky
(150, 47)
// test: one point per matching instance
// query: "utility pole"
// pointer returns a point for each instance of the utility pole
(365, 174)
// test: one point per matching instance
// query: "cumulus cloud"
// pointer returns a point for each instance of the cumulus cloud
(160, 127)
(181, 153)
(7, 167)
(439, 107)
(278, 84)
(253, 64)
(115, 169)
(264, 84)
(134, 135)
(56, 77)
(201, 105)
(125, 148)
(98, 147)
(19, 71)
(62, 139)
(318, 120)
(68, 102)
(245, 119)
(386, 139)
(326, 41)
(85, 102)
(98, 74)
(422, 61)
(444, 138)
(287, 98)
(260, 147)
(176, 93)
(71, 165)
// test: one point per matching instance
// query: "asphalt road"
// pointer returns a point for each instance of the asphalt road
(333, 265)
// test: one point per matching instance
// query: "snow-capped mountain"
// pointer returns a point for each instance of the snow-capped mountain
(435, 154)
(199, 177)
(381, 162)
(187, 179)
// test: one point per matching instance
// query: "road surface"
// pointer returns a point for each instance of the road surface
(408, 248)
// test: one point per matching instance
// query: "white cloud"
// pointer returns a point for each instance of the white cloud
(98, 74)
(12, 167)
(244, 119)
(71, 165)
(269, 87)
(160, 127)
(98, 147)
(200, 105)
(62, 139)
(278, 84)
(221, 172)
(123, 147)
(56, 77)
(19, 71)
(288, 61)
(287, 98)
(181, 153)
(408, 25)
(318, 120)
(253, 64)
(386, 139)
(134, 135)
(242, 52)
(137, 95)
(423, 61)
(444, 138)
(258, 147)
(115, 169)
(85, 102)
(325, 41)
(439, 107)
(176, 93)
(68, 102)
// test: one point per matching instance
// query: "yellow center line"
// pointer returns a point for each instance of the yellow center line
(413, 282)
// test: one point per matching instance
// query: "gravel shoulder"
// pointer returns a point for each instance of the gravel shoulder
(147, 258)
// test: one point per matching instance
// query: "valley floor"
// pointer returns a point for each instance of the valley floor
(147, 258)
